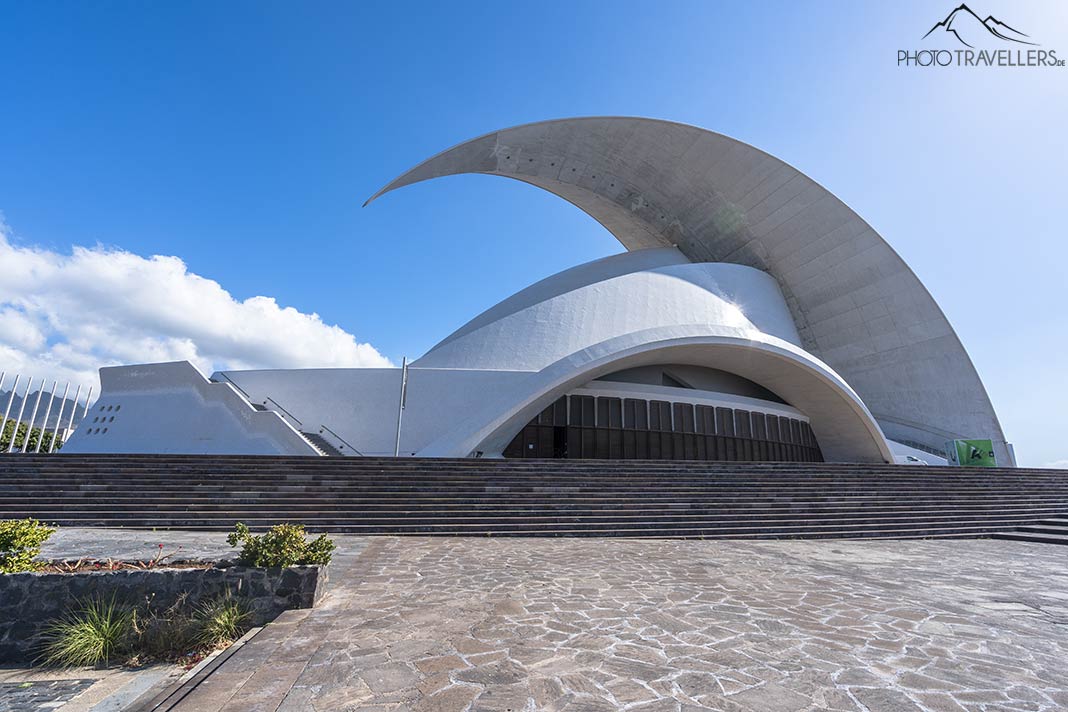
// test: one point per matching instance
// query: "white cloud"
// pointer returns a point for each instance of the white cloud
(63, 316)
(1056, 465)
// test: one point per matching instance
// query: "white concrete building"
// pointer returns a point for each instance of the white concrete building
(753, 317)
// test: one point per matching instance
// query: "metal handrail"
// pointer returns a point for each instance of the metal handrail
(300, 424)
(323, 427)
(239, 388)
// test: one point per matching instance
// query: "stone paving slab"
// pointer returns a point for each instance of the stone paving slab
(79, 690)
(596, 624)
(40, 695)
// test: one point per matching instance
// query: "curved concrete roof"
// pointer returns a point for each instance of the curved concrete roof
(857, 305)
(611, 297)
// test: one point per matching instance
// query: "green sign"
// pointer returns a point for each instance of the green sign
(971, 453)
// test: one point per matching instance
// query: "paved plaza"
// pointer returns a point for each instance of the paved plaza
(596, 624)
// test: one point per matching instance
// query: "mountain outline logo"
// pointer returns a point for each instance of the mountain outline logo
(962, 20)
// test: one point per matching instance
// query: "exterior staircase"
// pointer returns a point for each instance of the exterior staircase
(363, 495)
(321, 444)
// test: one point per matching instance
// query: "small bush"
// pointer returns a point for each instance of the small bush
(282, 545)
(220, 621)
(88, 636)
(20, 542)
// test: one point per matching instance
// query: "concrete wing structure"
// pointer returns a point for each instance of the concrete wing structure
(856, 305)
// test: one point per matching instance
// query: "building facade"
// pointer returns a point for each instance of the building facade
(754, 316)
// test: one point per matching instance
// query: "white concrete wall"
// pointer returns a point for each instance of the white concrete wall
(360, 404)
(172, 408)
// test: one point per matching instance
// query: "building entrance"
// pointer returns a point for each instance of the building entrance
(634, 429)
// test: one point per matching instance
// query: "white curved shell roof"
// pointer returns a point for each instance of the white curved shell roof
(608, 298)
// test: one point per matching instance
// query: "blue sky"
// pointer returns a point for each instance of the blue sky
(243, 138)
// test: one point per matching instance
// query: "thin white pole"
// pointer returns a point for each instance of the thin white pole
(48, 412)
(70, 423)
(33, 417)
(88, 397)
(59, 419)
(3, 422)
(400, 406)
(18, 420)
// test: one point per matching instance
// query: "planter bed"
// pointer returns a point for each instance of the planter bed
(30, 601)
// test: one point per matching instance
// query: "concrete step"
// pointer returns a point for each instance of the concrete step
(1044, 529)
(499, 521)
(261, 462)
(390, 482)
(314, 528)
(1030, 512)
(1035, 538)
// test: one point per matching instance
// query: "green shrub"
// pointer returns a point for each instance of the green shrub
(281, 545)
(220, 621)
(20, 542)
(90, 635)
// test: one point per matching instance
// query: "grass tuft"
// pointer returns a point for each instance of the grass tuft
(90, 635)
(220, 621)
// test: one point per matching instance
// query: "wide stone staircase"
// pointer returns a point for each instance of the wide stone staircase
(529, 497)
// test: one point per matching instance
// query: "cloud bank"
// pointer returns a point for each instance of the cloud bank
(63, 316)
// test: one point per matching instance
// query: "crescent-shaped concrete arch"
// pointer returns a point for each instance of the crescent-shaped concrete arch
(857, 305)
(843, 426)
